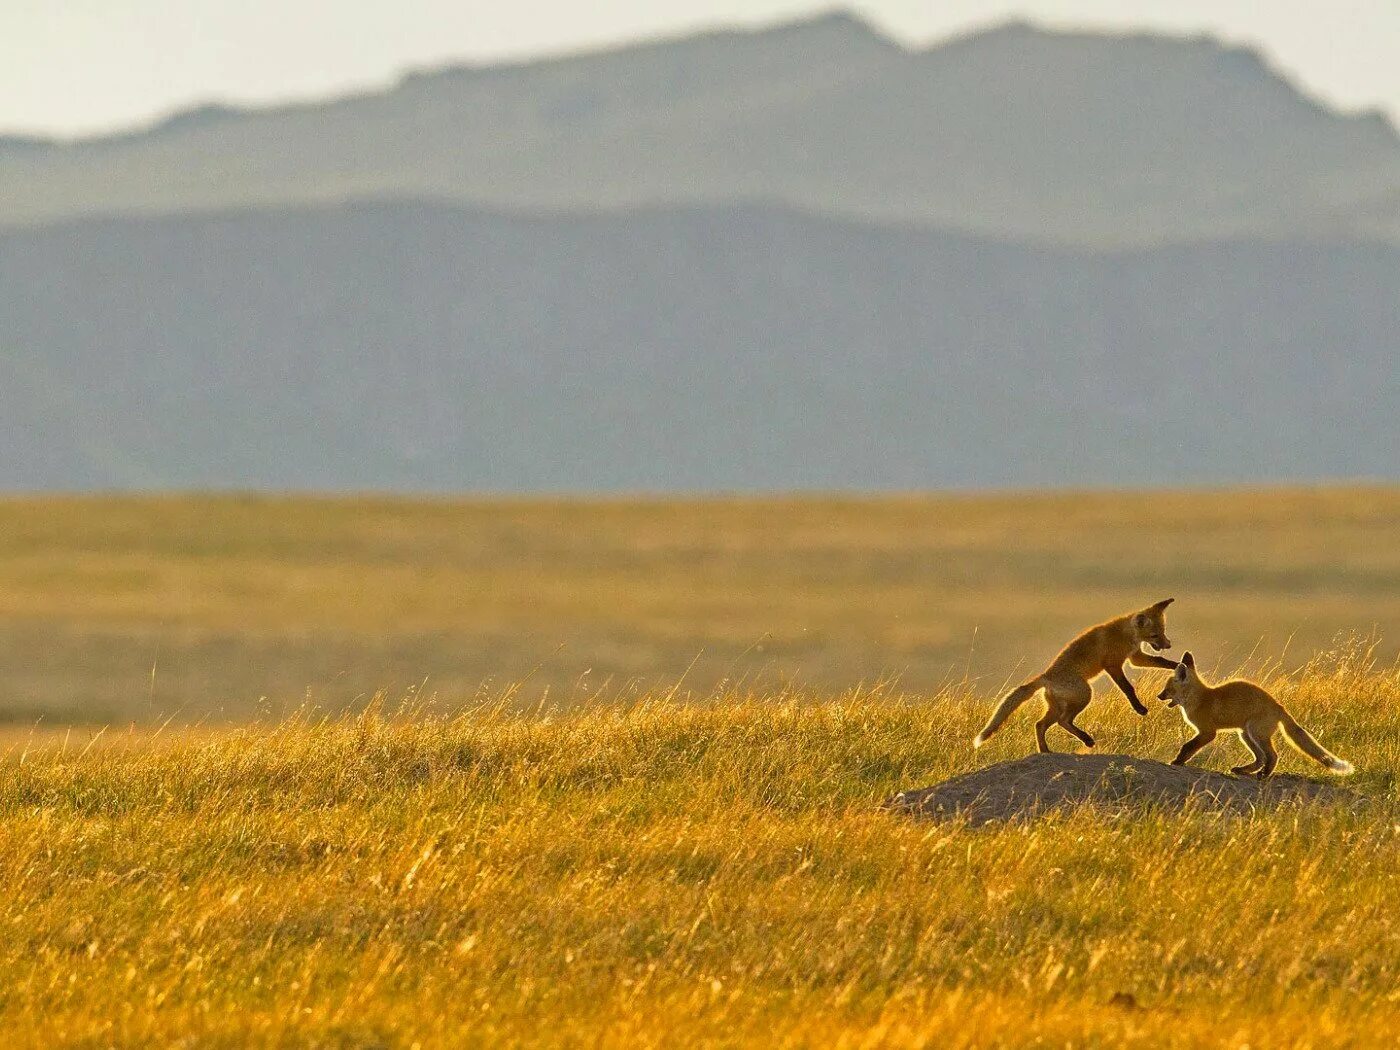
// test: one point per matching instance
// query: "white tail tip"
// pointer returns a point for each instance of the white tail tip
(1340, 766)
(978, 741)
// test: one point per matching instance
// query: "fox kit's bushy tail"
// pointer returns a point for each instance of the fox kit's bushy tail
(1304, 742)
(1009, 703)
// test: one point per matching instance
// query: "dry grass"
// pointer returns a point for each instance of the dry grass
(663, 874)
(485, 870)
(234, 598)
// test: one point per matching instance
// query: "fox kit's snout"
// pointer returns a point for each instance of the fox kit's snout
(1150, 626)
(1244, 708)
(1104, 649)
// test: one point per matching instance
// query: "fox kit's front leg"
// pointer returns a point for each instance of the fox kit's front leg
(1121, 681)
(1189, 749)
(1139, 658)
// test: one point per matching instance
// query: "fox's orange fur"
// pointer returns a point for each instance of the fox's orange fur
(1099, 650)
(1244, 708)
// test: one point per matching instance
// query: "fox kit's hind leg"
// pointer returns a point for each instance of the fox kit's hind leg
(1081, 734)
(1064, 700)
(1189, 749)
(1046, 721)
(1264, 739)
(1256, 749)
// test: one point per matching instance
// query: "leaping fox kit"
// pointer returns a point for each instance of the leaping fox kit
(1242, 707)
(1099, 650)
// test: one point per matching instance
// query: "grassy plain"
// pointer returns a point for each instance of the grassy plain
(619, 868)
(233, 599)
(655, 874)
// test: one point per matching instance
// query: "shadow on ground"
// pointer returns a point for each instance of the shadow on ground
(1040, 783)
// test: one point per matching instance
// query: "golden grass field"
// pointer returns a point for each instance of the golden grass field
(661, 875)
(232, 599)
(628, 869)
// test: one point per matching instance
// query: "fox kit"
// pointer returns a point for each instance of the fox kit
(1244, 708)
(1105, 648)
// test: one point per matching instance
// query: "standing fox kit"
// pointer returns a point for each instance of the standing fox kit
(1099, 650)
(1244, 708)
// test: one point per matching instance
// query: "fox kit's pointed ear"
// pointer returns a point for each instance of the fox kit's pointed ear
(1189, 660)
(1163, 604)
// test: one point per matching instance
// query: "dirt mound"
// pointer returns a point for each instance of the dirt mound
(1043, 782)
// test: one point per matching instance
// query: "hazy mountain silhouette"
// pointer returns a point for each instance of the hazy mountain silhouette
(424, 346)
(1013, 132)
(796, 257)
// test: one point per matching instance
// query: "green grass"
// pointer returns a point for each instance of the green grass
(664, 874)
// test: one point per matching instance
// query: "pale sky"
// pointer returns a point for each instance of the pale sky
(76, 66)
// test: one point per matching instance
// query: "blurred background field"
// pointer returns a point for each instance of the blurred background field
(218, 608)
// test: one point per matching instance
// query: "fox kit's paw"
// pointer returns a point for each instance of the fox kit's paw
(1140, 709)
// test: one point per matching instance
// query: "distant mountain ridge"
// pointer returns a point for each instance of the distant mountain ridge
(1015, 132)
(799, 257)
(419, 346)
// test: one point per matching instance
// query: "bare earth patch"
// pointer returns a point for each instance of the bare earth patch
(1039, 783)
